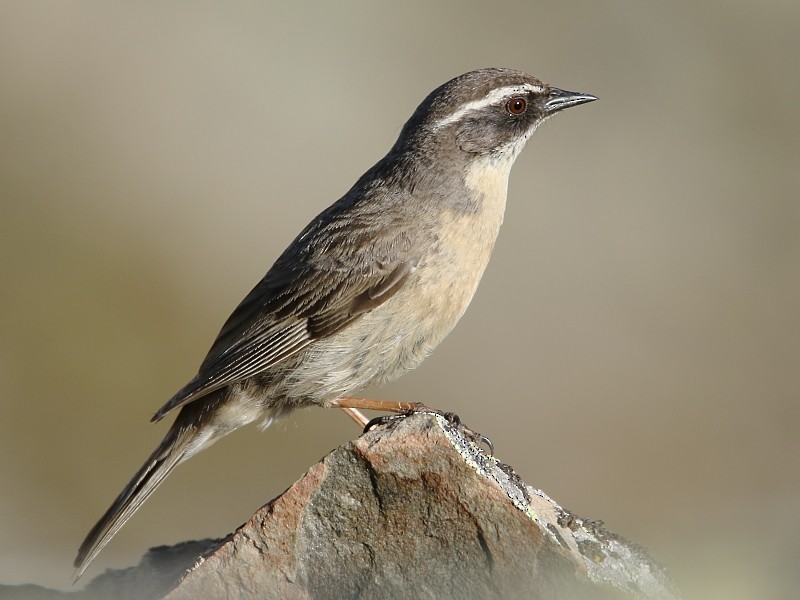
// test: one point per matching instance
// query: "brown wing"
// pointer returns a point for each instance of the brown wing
(319, 286)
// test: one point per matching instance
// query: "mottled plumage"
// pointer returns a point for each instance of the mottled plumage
(371, 285)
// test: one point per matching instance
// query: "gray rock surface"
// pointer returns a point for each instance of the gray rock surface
(412, 509)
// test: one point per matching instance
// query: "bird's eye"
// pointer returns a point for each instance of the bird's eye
(516, 106)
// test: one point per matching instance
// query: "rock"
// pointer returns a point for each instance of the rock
(411, 509)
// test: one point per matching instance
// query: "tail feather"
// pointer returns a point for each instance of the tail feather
(169, 454)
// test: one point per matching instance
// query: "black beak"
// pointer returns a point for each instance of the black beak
(559, 99)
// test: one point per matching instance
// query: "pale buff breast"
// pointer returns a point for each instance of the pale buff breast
(397, 336)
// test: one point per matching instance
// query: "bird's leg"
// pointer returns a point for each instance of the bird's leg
(357, 416)
(352, 405)
(382, 405)
(402, 409)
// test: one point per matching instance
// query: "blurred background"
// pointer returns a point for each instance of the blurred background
(634, 347)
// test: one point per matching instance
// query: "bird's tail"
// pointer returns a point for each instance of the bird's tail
(187, 436)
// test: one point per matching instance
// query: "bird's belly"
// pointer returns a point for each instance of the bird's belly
(396, 336)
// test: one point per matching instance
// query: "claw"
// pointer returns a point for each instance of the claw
(485, 441)
(383, 420)
(473, 436)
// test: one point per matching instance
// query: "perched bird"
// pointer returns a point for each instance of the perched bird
(370, 287)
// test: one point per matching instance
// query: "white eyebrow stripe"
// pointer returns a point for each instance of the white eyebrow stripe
(490, 98)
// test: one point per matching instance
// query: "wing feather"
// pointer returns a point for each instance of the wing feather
(306, 296)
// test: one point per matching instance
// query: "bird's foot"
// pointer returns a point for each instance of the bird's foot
(451, 417)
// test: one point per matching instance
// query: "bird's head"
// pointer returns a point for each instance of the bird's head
(489, 111)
